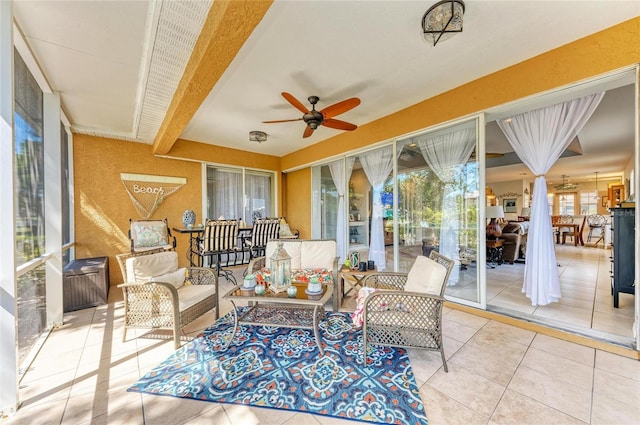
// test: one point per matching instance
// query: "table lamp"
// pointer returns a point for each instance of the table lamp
(493, 228)
(525, 212)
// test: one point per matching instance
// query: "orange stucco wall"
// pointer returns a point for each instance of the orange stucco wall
(103, 207)
(297, 194)
(599, 53)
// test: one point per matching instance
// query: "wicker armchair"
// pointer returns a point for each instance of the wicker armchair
(397, 318)
(168, 301)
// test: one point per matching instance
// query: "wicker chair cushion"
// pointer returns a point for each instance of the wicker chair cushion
(426, 276)
(175, 278)
(141, 268)
(317, 254)
(190, 295)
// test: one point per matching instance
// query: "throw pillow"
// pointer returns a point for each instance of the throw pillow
(141, 268)
(358, 315)
(175, 278)
(150, 235)
(426, 276)
(285, 230)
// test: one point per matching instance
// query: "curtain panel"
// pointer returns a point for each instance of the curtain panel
(340, 173)
(377, 166)
(446, 154)
(538, 138)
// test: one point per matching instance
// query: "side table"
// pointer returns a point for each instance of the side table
(494, 251)
(356, 283)
(194, 235)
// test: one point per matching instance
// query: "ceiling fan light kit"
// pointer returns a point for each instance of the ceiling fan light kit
(313, 118)
(442, 21)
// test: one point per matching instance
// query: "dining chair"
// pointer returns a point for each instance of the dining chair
(596, 223)
(264, 229)
(220, 239)
(563, 231)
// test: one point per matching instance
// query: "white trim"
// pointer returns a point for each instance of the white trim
(72, 199)
(29, 59)
(614, 79)
(9, 396)
(153, 17)
(152, 179)
(53, 207)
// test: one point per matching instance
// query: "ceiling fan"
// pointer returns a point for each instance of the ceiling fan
(314, 118)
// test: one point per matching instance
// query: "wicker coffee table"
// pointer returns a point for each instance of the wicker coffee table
(277, 309)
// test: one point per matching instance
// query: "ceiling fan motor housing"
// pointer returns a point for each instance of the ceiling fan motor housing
(313, 118)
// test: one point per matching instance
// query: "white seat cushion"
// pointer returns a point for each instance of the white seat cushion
(143, 267)
(426, 276)
(189, 295)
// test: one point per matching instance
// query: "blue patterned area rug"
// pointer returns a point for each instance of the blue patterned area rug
(281, 368)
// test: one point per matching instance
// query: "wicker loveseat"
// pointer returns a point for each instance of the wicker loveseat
(158, 294)
(305, 254)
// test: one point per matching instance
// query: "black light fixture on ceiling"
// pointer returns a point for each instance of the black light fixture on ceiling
(257, 136)
(442, 21)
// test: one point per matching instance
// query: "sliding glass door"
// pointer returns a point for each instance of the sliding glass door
(406, 199)
(438, 185)
(239, 193)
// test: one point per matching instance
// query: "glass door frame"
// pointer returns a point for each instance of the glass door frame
(481, 263)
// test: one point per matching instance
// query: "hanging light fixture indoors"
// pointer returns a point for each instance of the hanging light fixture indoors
(442, 21)
(257, 136)
(565, 184)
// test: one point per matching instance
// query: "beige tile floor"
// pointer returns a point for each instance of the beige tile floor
(498, 374)
(586, 306)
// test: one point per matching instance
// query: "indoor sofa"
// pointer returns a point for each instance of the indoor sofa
(514, 235)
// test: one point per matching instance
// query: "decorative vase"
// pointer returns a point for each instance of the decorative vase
(188, 218)
(260, 289)
(292, 291)
(354, 259)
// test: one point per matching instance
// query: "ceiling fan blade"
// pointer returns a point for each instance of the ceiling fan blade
(271, 122)
(295, 102)
(308, 131)
(340, 107)
(340, 125)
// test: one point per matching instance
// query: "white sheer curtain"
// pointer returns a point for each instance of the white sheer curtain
(227, 194)
(340, 173)
(539, 137)
(377, 165)
(258, 192)
(446, 154)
